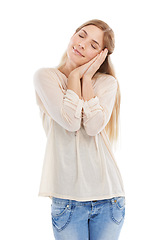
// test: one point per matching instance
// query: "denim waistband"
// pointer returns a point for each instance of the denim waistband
(81, 203)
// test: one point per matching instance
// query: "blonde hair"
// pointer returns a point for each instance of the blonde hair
(112, 127)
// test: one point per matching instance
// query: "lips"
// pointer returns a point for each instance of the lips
(77, 52)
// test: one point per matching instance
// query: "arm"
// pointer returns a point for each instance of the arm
(85, 72)
(74, 83)
(64, 107)
(98, 110)
(87, 89)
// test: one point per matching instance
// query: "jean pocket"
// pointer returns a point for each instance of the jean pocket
(118, 209)
(61, 214)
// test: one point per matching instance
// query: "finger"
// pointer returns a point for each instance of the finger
(99, 60)
(92, 60)
(104, 52)
(102, 56)
(87, 65)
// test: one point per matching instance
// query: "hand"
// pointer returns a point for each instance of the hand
(89, 68)
(95, 64)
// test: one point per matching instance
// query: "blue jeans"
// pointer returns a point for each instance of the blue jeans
(91, 220)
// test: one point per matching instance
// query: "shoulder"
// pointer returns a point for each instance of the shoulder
(44, 74)
(105, 80)
(39, 73)
(43, 70)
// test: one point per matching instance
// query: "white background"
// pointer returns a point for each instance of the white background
(35, 34)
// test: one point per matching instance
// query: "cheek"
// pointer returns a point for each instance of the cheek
(73, 40)
(91, 55)
(70, 43)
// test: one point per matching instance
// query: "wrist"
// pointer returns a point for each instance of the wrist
(87, 78)
(74, 74)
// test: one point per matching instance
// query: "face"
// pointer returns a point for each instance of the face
(85, 45)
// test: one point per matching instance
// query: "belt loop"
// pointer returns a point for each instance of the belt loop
(113, 200)
(70, 202)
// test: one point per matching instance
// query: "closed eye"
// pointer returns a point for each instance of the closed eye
(93, 46)
(83, 37)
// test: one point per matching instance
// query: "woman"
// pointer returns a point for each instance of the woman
(79, 104)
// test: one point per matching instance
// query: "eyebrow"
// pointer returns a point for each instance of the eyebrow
(92, 39)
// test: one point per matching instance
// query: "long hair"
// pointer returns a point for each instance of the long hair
(112, 127)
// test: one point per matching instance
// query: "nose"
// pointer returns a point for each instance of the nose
(82, 45)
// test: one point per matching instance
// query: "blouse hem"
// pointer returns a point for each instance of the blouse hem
(50, 195)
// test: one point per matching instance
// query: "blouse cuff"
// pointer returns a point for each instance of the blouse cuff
(90, 105)
(70, 94)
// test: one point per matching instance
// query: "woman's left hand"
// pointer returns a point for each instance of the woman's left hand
(96, 64)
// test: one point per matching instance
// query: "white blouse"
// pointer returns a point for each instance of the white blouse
(78, 162)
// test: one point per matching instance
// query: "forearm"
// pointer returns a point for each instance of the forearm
(87, 89)
(74, 84)
(63, 108)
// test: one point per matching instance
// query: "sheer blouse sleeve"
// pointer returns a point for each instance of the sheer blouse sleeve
(64, 107)
(97, 111)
